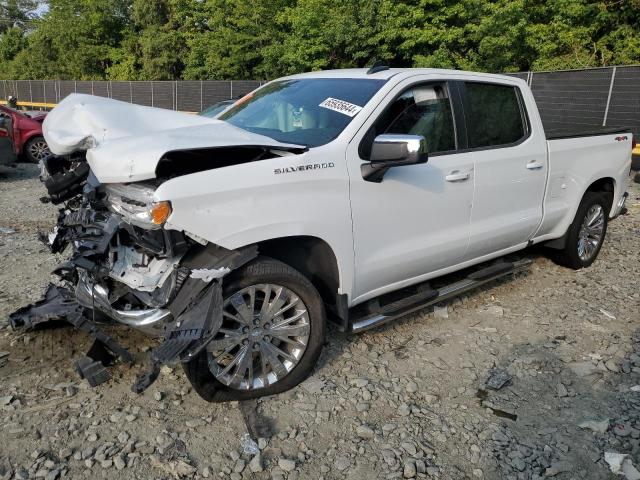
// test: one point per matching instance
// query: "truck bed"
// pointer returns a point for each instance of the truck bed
(582, 131)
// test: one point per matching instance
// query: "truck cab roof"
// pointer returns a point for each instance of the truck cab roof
(399, 73)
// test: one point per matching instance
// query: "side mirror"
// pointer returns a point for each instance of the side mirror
(396, 150)
(391, 150)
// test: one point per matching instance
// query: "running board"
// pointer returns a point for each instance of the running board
(430, 297)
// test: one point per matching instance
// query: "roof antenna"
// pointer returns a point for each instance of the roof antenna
(378, 66)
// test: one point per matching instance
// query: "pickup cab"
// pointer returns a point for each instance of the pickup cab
(342, 195)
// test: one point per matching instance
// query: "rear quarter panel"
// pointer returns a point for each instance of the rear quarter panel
(574, 164)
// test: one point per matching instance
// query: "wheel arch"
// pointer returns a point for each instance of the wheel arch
(604, 184)
(315, 259)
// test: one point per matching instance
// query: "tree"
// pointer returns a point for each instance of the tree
(262, 39)
(233, 37)
(156, 46)
(16, 13)
(320, 34)
(75, 39)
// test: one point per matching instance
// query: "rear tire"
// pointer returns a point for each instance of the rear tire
(586, 234)
(256, 278)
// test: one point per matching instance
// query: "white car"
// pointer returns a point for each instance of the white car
(333, 195)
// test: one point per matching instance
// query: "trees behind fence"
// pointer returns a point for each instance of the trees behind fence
(189, 96)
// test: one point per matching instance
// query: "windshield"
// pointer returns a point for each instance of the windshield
(308, 112)
(216, 108)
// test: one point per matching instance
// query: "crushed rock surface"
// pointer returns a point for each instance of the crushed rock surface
(407, 400)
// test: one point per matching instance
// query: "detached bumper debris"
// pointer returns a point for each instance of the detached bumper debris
(92, 371)
(59, 304)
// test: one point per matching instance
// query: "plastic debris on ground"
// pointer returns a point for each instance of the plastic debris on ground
(249, 446)
(621, 464)
(498, 378)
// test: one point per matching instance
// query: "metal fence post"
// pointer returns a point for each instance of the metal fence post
(606, 110)
(201, 105)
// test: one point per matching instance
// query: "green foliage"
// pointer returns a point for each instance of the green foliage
(258, 39)
(12, 41)
(16, 13)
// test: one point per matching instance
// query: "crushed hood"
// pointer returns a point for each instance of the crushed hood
(124, 142)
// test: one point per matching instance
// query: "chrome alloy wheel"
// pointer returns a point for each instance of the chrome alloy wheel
(264, 333)
(39, 150)
(591, 232)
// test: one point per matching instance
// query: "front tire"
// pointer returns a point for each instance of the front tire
(36, 149)
(271, 337)
(586, 234)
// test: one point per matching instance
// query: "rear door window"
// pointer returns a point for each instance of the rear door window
(494, 115)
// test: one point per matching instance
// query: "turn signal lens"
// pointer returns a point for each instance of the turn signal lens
(160, 211)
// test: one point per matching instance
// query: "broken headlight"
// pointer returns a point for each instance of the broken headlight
(134, 203)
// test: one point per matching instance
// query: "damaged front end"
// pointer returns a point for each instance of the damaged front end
(127, 267)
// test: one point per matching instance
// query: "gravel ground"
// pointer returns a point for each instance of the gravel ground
(402, 401)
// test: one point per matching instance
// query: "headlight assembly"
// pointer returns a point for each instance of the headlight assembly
(134, 203)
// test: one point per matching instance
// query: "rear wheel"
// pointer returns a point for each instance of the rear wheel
(587, 232)
(36, 149)
(271, 335)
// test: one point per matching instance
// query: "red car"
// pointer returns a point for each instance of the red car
(24, 130)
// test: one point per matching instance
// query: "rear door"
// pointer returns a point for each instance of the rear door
(510, 163)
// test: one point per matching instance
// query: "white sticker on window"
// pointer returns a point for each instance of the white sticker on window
(341, 106)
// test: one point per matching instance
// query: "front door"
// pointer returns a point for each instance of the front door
(417, 220)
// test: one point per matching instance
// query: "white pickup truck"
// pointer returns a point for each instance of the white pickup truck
(332, 195)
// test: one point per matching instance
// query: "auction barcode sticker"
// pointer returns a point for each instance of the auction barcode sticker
(341, 106)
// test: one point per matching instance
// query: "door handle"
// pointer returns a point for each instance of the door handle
(457, 176)
(535, 165)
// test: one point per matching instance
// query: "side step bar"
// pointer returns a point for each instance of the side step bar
(430, 297)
